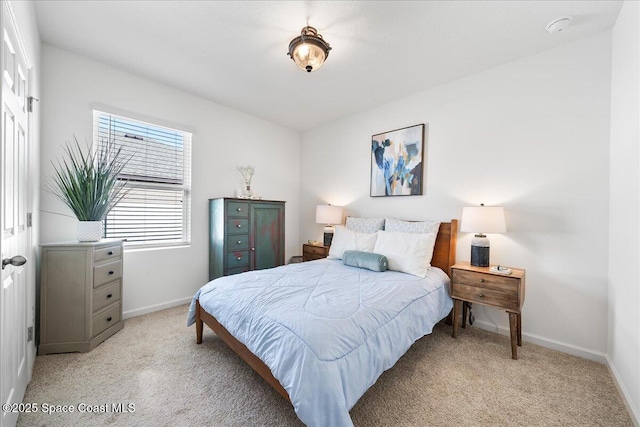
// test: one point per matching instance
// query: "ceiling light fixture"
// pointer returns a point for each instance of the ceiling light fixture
(558, 24)
(309, 50)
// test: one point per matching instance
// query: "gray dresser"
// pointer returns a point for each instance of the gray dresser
(80, 295)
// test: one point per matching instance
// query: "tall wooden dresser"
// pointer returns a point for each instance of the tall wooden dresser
(244, 235)
(80, 295)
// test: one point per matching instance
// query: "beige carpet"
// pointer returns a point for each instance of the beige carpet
(155, 364)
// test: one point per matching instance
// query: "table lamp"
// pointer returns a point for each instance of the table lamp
(482, 219)
(328, 215)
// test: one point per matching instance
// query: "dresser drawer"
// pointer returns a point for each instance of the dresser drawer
(237, 259)
(238, 242)
(113, 252)
(106, 273)
(237, 225)
(106, 295)
(237, 270)
(238, 209)
(107, 318)
(486, 281)
(489, 296)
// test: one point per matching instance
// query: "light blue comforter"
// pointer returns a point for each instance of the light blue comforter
(327, 331)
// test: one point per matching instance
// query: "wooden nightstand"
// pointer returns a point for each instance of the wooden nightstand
(311, 252)
(479, 285)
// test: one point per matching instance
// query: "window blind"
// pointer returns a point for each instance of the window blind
(156, 208)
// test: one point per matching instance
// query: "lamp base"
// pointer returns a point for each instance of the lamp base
(480, 251)
(328, 235)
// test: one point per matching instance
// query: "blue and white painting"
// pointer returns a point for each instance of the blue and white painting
(396, 162)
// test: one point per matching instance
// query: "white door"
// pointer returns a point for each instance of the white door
(14, 371)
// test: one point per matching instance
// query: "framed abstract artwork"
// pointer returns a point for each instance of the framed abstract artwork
(396, 162)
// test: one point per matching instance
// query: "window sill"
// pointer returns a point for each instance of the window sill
(132, 247)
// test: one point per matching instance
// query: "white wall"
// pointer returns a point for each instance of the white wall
(532, 136)
(222, 139)
(624, 214)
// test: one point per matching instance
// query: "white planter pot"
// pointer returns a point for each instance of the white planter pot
(89, 231)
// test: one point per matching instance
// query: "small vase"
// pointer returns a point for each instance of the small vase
(89, 231)
(248, 193)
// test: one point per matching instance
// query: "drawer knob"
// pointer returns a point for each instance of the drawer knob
(239, 258)
(481, 295)
(109, 319)
(253, 249)
(239, 225)
(111, 272)
(239, 209)
(481, 280)
(239, 242)
(109, 296)
(110, 253)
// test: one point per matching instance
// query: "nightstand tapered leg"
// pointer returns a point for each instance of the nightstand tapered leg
(513, 329)
(465, 313)
(520, 329)
(456, 312)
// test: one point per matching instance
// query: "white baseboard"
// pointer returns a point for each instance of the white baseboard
(152, 308)
(546, 342)
(628, 402)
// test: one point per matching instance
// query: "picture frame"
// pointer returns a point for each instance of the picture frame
(397, 159)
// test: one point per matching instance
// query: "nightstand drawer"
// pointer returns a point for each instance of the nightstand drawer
(486, 281)
(490, 296)
(313, 252)
(318, 250)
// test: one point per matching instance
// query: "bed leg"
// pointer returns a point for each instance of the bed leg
(198, 324)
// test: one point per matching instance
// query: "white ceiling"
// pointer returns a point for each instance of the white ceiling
(234, 52)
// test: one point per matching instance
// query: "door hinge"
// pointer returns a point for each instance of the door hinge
(29, 219)
(30, 334)
(30, 100)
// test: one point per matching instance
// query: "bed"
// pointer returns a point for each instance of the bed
(305, 332)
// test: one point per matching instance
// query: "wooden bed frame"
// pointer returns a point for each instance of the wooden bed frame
(444, 256)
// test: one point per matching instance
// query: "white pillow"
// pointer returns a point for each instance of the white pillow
(391, 224)
(348, 240)
(364, 225)
(407, 252)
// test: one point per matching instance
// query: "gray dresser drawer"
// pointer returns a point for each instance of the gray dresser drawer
(112, 252)
(106, 295)
(106, 273)
(107, 318)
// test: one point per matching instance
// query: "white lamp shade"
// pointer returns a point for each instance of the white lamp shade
(328, 214)
(483, 219)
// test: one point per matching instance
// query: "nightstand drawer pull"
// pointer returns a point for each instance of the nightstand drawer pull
(481, 295)
(110, 253)
(481, 280)
(239, 209)
(239, 242)
(239, 258)
(239, 225)
(109, 296)
(111, 272)
(109, 319)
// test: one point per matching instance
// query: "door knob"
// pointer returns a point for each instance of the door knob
(17, 261)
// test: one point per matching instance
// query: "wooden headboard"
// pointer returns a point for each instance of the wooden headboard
(444, 252)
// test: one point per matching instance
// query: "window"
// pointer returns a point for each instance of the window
(156, 209)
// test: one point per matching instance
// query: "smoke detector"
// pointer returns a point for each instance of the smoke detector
(558, 24)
